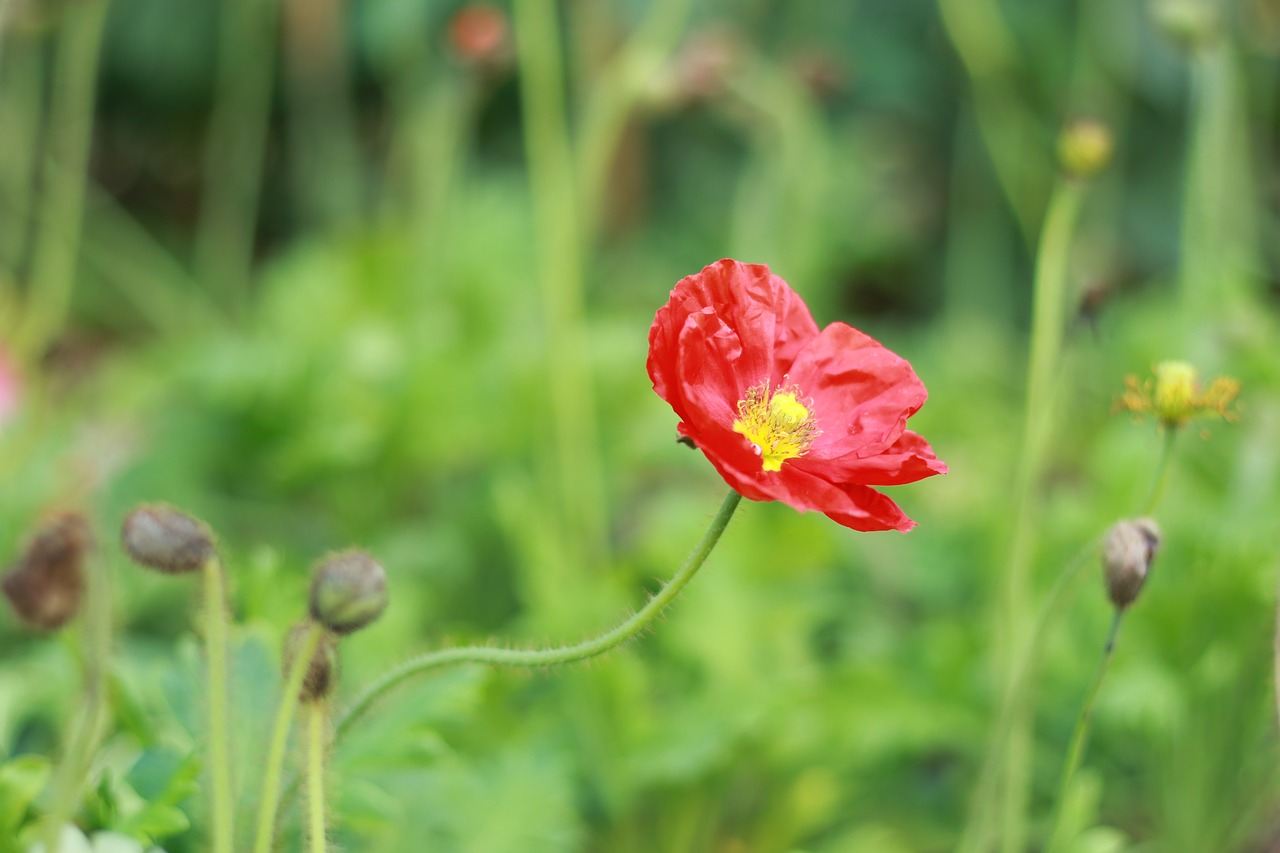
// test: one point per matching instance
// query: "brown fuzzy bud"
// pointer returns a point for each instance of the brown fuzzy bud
(165, 539)
(348, 591)
(322, 674)
(1127, 554)
(47, 584)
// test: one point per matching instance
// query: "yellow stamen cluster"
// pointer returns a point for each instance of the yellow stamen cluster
(1176, 397)
(778, 425)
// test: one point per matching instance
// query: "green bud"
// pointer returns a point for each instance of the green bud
(348, 591)
(1127, 553)
(47, 584)
(1084, 148)
(166, 539)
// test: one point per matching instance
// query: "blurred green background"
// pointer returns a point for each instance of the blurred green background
(380, 272)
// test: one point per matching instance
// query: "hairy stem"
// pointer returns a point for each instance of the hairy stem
(215, 638)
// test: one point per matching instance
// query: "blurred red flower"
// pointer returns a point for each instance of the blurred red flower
(785, 411)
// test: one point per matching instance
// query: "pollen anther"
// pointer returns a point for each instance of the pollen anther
(779, 425)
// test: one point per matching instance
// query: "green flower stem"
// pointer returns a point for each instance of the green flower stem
(317, 735)
(215, 640)
(235, 146)
(613, 98)
(1047, 324)
(60, 213)
(91, 723)
(559, 233)
(270, 797)
(1017, 701)
(1080, 737)
(545, 657)
(1161, 477)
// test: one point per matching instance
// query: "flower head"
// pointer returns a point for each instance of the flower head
(785, 411)
(1176, 395)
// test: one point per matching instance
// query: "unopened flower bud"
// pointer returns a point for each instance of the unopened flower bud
(1084, 148)
(46, 585)
(348, 591)
(322, 673)
(1127, 553)
(165, 539)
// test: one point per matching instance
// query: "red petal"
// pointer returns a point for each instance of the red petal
(862, 393)
(850, 504)
(770, 320)
(907, 460)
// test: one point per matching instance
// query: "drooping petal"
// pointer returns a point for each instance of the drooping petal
(851, 504)
(862, 393)
(907, 460)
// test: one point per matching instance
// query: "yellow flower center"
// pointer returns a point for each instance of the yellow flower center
(777, 424)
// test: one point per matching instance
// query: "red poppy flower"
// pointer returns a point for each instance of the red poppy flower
(785, 411)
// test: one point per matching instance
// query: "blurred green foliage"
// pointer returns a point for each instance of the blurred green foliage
(311, 305)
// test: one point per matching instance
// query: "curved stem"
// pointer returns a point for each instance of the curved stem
(317, 723)
(270, 797)
(215, 638)
(1080, 736)
(548, 656)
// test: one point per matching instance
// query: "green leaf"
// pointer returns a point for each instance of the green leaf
(21, 780)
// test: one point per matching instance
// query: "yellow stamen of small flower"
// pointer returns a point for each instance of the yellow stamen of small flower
(778, 425)
(1176, 397)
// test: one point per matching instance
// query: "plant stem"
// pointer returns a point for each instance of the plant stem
(317, 736)
(555, 655)
(1081, 735)
(61, 209)
(270, 797)
(1047, 322)
(559, 234)
(215, 639)
(235, 147)
(95, 645)
(1162, 470)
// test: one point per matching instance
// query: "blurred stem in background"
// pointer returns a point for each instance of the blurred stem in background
(236, 147)
(1219, 252)
(561, 255)
(1015, 596)
(324, 150)
(91, 642)
(989, 54)
(613, 98)
(21, 86)
(60, 208)
(779, 197)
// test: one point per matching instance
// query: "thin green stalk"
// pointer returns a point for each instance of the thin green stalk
(270, 796)
(91, 724)
(560, 252)
(215, 640)
(60, 211)
(317, 737)
(614, 96)
(1161, 477)
(1080, 736)
(1048, 320)
(236, 146)
(555, 655)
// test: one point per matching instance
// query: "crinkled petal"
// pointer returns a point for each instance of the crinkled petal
(907, 460)
(772, 322)
(862, 393)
